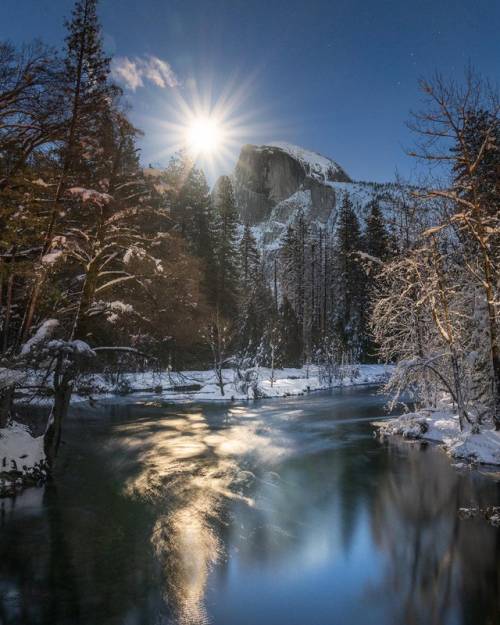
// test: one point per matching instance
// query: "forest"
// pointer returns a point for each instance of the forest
(241, 384)
(109, 265)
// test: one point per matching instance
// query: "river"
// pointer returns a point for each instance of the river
(276, 512)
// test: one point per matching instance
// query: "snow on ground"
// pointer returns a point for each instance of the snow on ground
(361, 194)
(21, 457)
(441, 426)
(202, 385)
(18, 449)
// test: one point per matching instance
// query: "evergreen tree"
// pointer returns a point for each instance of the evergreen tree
(194, 216)
(191, 208)
(349, 285)
(87, 88)
(379, 247)
(291, 335)
(290, 266)
(377, 240)
(257, 310)
(226, 248)
(183, 189)
(249, 259)
(297, 275)
(256, 302)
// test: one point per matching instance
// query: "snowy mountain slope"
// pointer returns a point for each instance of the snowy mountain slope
(274, 182)
(316, 165)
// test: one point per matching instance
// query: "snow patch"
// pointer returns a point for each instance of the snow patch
(117, 308)
(285, 383)
(132, 253)
(43, 333)
(442, 427)
(71, 347)
(22, 458)
(40, 182)
(10, 377)
(52, 257)
(316, 165)
(90, 195)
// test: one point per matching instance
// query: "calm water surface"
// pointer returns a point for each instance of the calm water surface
(273, 513)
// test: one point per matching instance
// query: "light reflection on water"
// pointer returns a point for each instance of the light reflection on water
(189, 470)
(274, 513)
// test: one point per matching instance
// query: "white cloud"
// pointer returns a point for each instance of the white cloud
(160, 72)
(125, 71)
(134, 72)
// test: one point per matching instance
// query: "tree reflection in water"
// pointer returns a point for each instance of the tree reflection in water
(436, 564)
(323, 484)
(280, 513)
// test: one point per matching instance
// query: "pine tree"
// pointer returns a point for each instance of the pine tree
(255, 296)
(291, 335)
(376, 237)
(349, 286)
(290, 266)
(108, 222)
(249, 259)
(89, 94)
(183, 188)
(379, 247)
(297, 280)
(257, 311)
(191, 207)
(226, 248)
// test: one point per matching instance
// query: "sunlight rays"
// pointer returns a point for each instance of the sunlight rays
(211, 128)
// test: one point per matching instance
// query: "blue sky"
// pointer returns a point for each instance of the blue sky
(338, 76)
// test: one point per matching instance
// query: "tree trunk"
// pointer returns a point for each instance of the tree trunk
(8, 310)
(447, 334)
(272, 365)
(496, 389)
(462, 413)
(6, 396)
(494, 345)
(85, 302)
(63, 387)
(220, 379)
(52, 438)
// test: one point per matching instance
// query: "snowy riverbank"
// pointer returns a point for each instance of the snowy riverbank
(441, 426)
(190, 386)
(22, 459)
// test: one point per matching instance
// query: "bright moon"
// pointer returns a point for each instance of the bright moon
(204, 135)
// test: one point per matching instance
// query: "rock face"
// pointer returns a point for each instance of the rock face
(267, 175)
(272, 183)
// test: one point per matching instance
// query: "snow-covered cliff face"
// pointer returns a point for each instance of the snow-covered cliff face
(270, 174)
(273, 182)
